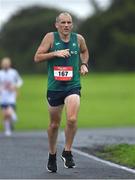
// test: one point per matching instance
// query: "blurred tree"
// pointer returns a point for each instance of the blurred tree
(21, 35)
(111, 36)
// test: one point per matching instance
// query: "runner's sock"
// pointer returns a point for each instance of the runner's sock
(14, 116)
(7, 127)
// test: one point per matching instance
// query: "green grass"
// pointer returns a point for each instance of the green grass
(123, 154)
(107, 101)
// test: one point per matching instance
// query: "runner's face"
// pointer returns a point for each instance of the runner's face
(64, 25)
(6, 63)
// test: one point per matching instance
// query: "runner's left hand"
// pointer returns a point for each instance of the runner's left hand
(83, 70)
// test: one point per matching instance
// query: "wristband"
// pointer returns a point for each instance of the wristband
(85, 65)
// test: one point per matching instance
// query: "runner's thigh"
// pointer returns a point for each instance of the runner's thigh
(55, 112)
(72, 104)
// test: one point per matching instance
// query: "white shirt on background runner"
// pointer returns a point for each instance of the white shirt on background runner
(9, 77)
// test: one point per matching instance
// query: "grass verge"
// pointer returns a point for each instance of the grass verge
(107, 101)
(123, 154)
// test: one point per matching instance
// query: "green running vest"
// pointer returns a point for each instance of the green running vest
(63, 73)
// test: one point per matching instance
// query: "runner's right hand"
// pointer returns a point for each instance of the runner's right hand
(62, 53)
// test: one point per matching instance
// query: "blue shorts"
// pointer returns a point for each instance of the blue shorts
(56, 98)
(4, 106)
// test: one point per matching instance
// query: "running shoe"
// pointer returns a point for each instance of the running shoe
(67, 157)
(52, 165)
(8, 133)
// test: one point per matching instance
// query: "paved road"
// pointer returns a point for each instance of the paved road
(24, 155)
(103, 136)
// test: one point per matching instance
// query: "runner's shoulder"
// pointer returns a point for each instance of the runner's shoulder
(50, 36)
(12, 70)
(80, 37)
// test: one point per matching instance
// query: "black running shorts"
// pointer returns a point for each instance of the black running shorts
(5, 106)
(56, 98)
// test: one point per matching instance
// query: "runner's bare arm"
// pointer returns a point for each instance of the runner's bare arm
(43, 54)
(84, 54)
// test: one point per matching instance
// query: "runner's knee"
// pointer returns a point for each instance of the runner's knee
(54, 125)
(72, 121)
(6, 114)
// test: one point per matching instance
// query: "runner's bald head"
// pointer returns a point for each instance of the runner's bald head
(62, 14)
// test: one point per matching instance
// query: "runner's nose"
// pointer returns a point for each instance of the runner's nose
(66, 24)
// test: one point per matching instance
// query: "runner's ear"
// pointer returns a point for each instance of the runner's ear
(56, 25)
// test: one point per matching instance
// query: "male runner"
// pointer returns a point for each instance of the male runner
(10, 81)
(63, 50)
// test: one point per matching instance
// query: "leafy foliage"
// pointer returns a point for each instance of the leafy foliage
(21, 36)
(111, 36)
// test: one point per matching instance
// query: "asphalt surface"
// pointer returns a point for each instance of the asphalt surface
(24, 156)
(103, 136)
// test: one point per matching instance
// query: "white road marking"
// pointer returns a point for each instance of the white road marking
(103, 161)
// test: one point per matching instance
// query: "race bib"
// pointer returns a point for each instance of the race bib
(63, 73)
